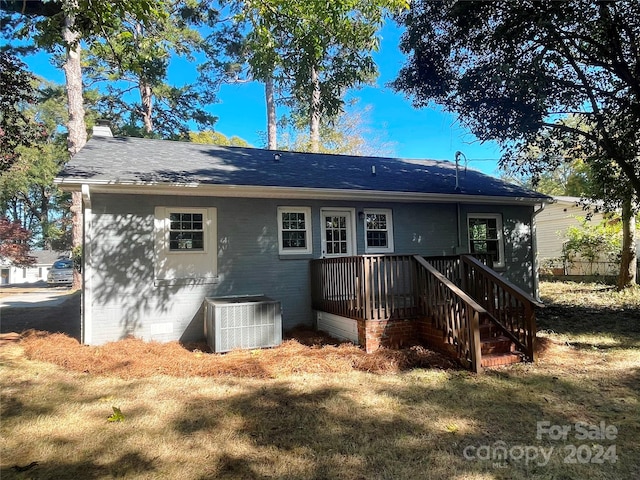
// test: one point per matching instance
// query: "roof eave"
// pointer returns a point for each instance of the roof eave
(302, 193)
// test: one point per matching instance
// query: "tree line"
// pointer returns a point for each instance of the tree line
(552, 82)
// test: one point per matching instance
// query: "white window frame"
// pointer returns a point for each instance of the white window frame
(308, 231)
(352, 245)
(389, 230)
(185, 265)
(489, 216)
(203, 230)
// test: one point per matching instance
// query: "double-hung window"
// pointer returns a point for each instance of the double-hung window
(186, 231)
(185, 245)
(378, 228)
(294, 230)
(485, 236)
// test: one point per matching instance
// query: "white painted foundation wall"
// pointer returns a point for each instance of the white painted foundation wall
(341, 328)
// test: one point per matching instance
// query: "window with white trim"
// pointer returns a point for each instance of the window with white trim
(378, 230)
(294, 230)
(485, 236)
(185, 244)
(186, 231)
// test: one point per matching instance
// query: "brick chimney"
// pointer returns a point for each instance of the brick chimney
(102, 128)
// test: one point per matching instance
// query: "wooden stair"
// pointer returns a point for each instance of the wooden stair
(497, 349)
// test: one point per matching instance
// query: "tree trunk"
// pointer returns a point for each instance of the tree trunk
(272, 127)
(73, 73)
(627, 276)
(314, 112)
(146, 91)
(43, 217)
(76, 126)
(146, 94)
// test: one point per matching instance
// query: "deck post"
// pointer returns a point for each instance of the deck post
(530, 322)
(366, 267)
(474, 336)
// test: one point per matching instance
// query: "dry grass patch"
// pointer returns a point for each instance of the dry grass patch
(590, 316)
(322, 416)
(591, 295)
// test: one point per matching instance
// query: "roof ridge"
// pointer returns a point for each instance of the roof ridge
(134, 161)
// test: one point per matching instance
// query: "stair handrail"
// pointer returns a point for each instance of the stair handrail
(499, 279)
(529, 303)
(473, 310)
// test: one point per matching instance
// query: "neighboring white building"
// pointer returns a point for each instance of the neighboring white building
(12, 274)
(551, 227)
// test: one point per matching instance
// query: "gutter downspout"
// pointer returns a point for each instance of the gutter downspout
(459, 228)
(534, 246)
(86, 329)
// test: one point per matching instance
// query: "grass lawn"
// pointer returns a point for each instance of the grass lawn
(319, 412)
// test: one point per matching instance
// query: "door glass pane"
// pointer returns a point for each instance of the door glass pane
(336, 234)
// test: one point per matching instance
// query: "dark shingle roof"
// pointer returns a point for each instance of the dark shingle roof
(135, 160)
(47, 257)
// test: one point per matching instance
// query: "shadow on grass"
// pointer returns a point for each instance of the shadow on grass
(418, 424)
(415, 425)
(424, 427)
(620, 326)
(128, 465)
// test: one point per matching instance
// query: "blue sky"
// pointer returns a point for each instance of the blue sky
(410, 133)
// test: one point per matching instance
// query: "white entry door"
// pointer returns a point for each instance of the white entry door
(337, 233)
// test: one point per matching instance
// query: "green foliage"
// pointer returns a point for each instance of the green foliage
(129, 55)
(572, 178)
(291, 42)
(76, 255)
(594, 242)
(117, 415)
(336, 39)
(16, 92)
(558, 75)
(131, 42)
(347, 134)
(27, 192)
(42, 21)
(217, 138)
(599, 182)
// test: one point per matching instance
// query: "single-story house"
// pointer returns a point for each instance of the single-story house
(552, 226)
(36, 272)
(169, 224)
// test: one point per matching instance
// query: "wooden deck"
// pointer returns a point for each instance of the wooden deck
(455, 304)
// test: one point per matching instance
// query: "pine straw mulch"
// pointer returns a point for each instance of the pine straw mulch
(306, 352)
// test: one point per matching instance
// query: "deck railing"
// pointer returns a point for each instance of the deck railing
(451, 311)
(512, 309)
(455, 294)
(367, 287)
(449, 265)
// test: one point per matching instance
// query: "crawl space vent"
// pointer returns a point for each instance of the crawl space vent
(242, 322)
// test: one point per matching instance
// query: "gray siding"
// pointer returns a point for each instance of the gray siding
(125, 300)
(518, 241)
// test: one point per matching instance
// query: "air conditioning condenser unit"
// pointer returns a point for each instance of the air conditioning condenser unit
(245, 322)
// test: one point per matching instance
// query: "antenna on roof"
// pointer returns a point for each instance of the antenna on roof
(457, 156)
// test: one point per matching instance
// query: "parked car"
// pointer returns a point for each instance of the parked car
(61, 273)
